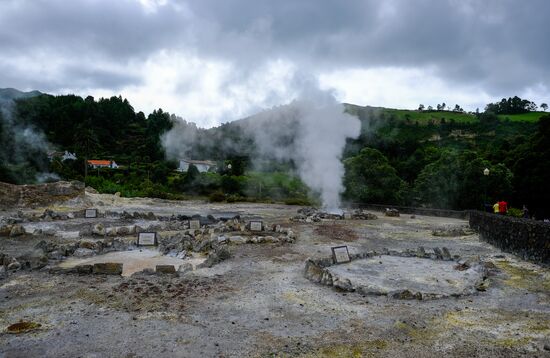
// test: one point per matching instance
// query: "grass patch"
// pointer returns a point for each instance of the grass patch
(523, 117)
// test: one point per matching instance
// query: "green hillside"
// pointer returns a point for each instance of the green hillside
(523, 117)
(423, 117)
(9, 94)
(407, 157)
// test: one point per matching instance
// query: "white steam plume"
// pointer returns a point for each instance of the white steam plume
(311, 131)
(319, 128)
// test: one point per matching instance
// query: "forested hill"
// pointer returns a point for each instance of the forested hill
(10, 94)
(430, 157)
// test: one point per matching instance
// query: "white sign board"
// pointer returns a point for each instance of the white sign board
(90, 213)
(340, 254)
(147, 239)
(194, 224)
(255, 226)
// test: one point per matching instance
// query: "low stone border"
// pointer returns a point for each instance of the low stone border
(316, 270)
(107, 268)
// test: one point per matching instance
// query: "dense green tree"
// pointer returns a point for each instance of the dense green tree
(158, 123)
(531, 166)
(370, 178)
(512, 105)
(456, 181)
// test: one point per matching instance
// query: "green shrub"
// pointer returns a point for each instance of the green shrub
(235, 198)
(515, 212)
(216, 197)
(298, 201)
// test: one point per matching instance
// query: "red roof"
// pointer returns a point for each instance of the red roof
(99, 162)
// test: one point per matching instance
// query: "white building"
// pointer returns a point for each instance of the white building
(202, 165)
(63, 156)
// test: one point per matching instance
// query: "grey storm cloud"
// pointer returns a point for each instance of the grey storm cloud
(498, 45)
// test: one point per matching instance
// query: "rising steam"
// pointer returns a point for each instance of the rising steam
(318, 128)
(311, 132)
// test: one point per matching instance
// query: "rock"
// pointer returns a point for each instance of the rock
(221, 253)
(438, 253)
(33, 260)
(111, 231)
(363, 215)
(271, 239)
(407, 295)
(17, 230)
(83, 252)
(5, 230)
(482, 285)
(49, 232)
(222, 240)
(313, 272)
(546, 347)
(45, 246)
(14, 266)
(237, 240)
(344, 284)
(186, 267)
(420, 252)
(165, 269)
(84, 269)
(452, 231)
(391, 212)
(201, 246)
(150, 216)
(91, 190)
(88, 245)
(462, 266)
(55, 255)
(123, 231)
(98, 229)
(108, 268)
(446, 254)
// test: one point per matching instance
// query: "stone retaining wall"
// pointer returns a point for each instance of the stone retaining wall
(526, 238)
(40, 194)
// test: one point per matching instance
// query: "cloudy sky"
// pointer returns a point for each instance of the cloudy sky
(211, 61)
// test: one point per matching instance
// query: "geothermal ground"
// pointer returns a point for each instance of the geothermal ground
(257, 301)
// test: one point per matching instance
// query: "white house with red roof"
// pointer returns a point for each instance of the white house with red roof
(94, 163)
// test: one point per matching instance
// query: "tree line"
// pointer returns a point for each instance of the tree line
(435, 164)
